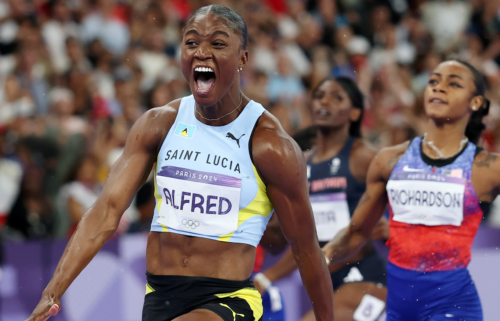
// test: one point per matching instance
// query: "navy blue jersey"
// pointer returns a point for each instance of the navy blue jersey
(333, 191)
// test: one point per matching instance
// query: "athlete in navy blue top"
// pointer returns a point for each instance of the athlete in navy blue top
(336, 169)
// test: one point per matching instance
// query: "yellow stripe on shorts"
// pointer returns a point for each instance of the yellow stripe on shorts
(253, 298)
(149, 289)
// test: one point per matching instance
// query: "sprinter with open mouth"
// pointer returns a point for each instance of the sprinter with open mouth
(222, 164)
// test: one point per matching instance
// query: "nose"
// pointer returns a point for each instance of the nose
(324, 100)
(438, 88)
(203, 52)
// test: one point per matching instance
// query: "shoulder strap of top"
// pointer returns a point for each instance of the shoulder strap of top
(186, 108)
(345, 152)
(478, 150)
(257, 109)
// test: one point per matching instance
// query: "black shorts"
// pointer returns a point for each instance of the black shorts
(371, 268)
(170, 296)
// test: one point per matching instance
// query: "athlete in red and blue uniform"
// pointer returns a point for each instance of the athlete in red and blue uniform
(438, 188)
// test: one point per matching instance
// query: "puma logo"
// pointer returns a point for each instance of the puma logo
(234, 138)
(234, 313)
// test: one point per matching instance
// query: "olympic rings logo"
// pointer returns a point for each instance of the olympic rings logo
(190, 224)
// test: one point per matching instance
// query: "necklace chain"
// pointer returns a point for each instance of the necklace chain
(437, 151)
(241, 100)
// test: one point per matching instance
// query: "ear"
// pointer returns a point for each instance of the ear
(355, 114)
(476, 103)
(243, 58)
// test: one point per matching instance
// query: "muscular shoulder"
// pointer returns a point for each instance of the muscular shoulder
(153, 126)
(387, 157)
(485, 159)
(487, 165)
(275, 153)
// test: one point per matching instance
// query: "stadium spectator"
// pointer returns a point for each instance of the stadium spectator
(75, 75)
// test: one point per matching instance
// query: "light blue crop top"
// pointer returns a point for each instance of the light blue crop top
(206, 184)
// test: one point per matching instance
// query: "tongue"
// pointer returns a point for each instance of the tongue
(205, 83)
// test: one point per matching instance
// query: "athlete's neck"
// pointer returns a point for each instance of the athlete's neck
(446, 137)
(226, 105)
(329, 141)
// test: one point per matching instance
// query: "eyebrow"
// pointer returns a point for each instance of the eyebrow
(450, 76)
(217, 32)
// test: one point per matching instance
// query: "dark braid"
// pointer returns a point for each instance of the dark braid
(475, 125)
(234, 20)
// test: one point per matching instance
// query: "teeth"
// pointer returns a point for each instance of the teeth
(203, 69)
(323, 112)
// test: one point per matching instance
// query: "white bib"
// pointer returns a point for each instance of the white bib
(331, 214)
(369, 309)
(426, 198)
(198, 202)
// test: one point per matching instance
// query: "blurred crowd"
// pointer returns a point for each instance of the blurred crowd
(76, 74)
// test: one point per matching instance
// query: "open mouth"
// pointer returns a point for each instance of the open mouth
(323, 112)
(437, 101)
(204, 79)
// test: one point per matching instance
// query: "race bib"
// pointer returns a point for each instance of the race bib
(331, 214)
(369, 309)
(426, 198)
(198, 202)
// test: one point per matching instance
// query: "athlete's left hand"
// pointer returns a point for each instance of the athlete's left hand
(46, 308)
(381, 230)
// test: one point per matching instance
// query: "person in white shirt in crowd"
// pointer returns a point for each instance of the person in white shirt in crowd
(56, 31)
(103, 25)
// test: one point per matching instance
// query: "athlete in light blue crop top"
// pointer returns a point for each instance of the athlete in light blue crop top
(206, 183)
(221, 161)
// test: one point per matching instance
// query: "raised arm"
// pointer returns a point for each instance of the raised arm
(282, 167)
(369, 210)
(101, 220)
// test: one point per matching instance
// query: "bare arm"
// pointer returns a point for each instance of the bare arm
(369, 210)
(101, 220)
(282, 167)
(359, 163)
(486, 176)
(273, 240)
(283, 267)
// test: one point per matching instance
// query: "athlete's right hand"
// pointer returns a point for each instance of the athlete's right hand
(46, 308)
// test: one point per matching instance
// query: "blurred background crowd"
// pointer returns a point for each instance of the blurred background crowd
(76, 74)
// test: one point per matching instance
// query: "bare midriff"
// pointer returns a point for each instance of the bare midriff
(176, 254)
